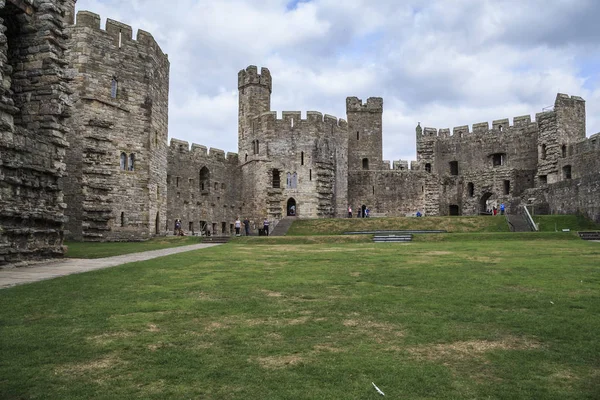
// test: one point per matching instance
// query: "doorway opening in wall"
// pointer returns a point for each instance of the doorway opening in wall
(157, 224)
(214, 228)
(224, 228)
(454, 210)
(486, 204)
(122, 219)
(191, 227)
(291, 208)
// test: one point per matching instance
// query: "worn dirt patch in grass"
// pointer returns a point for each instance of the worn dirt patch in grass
(470, 349)
(153, 328)
(278, 362)
(79, 369)
(270, 293)
(378, 331)
(109, 337)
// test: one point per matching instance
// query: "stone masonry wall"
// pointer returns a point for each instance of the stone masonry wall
(203, 200)
(121, 107)
(34, 102)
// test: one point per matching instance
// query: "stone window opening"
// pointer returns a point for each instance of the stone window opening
(567, 172)
(114, 88)
(216, 185)
(190, 182)
(204, 178)
(428, 167)
(222, 186)
(471, 189)
(506, 187)
(294, 180)
(564, 150)
(454, 210)
(132, 162)
(498, 159)
(191, 227)
(122, 219)
(500, 128)
(120, 38)
(301, 158)
(310, 174)
(168, 179)
(123, 162)
(365, 163)
(246, 159)
(292, 122)
(454, 168)
(223, 228)
(289, 180)
(157, 224)
(543, 151)
(543, 179)
(276, 179)
(177, 182)
(373, 190)
(357, 135)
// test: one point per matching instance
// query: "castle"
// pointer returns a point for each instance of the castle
(84, 152)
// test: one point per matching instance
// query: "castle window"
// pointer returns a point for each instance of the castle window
(498, 159)
(204, 178)
(216, 185)
(289, 180)
(191, 227)
(543, 151)
(428, 167)
(123, 162)
(120, 38)
(567, 172)
(177, 182)
(500, 128)
(294, 180)
(564, 150)
(132, 162)
(191, 182)
(276, 179)
(365, 163)
(373, 189)
(255, 147)
(114, 88)
(122, 219)
(222, 186)
(156, 138)
(246, 157)
(506, 187)
(471, 189)
(302, 158)
(453, 167)
(168, 179)
(357, 135)
(310, 174)
(543, 179)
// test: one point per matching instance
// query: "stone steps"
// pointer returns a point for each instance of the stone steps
(215, 239)
(283, 226)
(518, 223)
(392, 238)
(589, 235)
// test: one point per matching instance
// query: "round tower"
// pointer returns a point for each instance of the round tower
(254, 99)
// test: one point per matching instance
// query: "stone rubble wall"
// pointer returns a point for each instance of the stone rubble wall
(34, 103)
(106, 202)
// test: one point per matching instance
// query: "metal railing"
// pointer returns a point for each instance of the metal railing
(530, 220)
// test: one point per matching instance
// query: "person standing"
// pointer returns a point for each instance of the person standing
(266, 227)
(247, 226)
(238, 225)
(349, 212)
(501, 208)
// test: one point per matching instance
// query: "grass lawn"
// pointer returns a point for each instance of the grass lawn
(100, 250)
(493, 319)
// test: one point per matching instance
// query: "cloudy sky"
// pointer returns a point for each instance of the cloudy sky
(443, 63)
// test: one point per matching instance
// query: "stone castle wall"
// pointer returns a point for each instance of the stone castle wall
(34, 103)
(121, 109)
(205, 189)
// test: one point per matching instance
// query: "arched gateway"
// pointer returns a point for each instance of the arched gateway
(292, 211)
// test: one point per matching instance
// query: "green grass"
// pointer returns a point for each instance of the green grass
(100, 250)
(338, 226)
(548, 223)
(493, 319)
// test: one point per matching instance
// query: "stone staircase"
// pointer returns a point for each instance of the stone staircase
(518, 223)
(282, 226)
(215, 239)
(392, 238)
(589, 235)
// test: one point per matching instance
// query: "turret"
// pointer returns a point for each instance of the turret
(365, 145)
(254, 100)
(69, 12)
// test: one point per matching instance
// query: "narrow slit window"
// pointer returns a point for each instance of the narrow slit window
(310, 174)
(506, 187)
(302, 158)
(543, 152)
(132, 162)
(453, 167)
(365, 163)
(294, 180)
(471, 189)
(567, 172)
(428, 167)
(357, 135)
(120, 38)
(564, 150)
(123, 161)
(114, 88)
(122, 219)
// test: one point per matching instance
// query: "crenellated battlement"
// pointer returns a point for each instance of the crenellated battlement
(183, 147)
(121, 33)
(500, 126)
(294, 120)
(250, 76)
(373, 104)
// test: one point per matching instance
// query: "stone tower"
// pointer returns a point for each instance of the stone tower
(254, 99)
(365, 145)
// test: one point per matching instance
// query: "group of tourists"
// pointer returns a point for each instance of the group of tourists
(495, 211)
(238, 226)
(363, 212)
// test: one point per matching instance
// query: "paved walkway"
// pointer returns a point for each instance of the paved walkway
(68, 266)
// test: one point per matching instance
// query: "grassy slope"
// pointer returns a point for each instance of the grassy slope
(472, 319)
(450, 224)
(99, 250)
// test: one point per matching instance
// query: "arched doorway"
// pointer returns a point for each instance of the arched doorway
(486, 204)
(292, 211)
(156, 225)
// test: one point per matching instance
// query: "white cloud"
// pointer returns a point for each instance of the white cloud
(441, 63)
